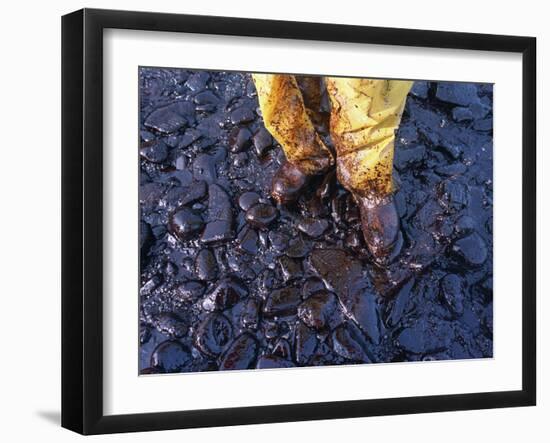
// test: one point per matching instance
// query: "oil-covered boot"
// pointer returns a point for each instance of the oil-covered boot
(381, 227)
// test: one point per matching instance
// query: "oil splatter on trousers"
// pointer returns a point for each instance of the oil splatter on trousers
(364, 115)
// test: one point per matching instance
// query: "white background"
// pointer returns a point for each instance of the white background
(30, 222)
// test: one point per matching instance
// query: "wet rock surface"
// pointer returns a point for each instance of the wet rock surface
(241, 354)
(231, 280)
(219, 227)
(184, 223)
(261, 215)
(213, 334)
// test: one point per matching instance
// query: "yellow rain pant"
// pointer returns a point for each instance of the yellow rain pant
(365, 114)
(286, 118)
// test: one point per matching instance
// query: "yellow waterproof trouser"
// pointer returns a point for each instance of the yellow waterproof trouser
(365, 113)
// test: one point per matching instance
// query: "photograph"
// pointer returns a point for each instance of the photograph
(290, 220)
(274, 222)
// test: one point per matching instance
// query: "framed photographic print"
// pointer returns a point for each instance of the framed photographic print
(270, 221)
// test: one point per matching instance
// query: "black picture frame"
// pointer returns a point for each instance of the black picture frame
(82, 215)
